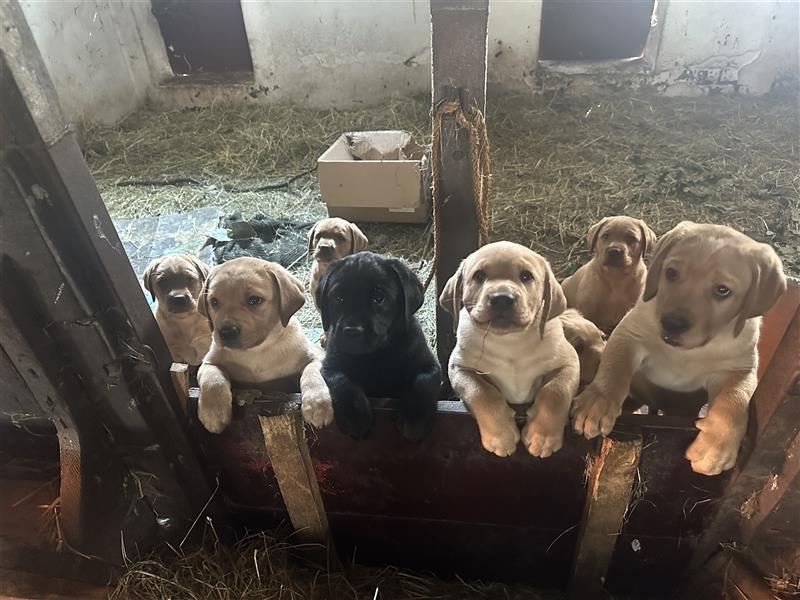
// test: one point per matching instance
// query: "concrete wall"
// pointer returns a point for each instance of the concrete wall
(102, 56)
(107, 57)
(745, 46)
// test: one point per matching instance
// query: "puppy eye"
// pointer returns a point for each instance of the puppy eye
(378, 298)
(722, 291)
(254, 300)
(526, 277)
(631, 239)
(605, 236)
(479, 277)
(338, 298)
(671, 274)
(214, 302)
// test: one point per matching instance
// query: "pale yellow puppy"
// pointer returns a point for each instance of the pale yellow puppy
(175, 281)
(607, 287)
(511, 348)
(329, 240)
(695, 329)
(257, 340)
(588, 341)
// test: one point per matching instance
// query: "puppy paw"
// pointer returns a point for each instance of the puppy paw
(501, 441)
(323, 339)
(542, 437)
(712, 452)
(594, 413)
(317, 407)
(354, 417)
(215, 408)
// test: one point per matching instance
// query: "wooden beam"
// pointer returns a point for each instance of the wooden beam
(608, 495)
(284, 438)
(179, 373)
(458, 63)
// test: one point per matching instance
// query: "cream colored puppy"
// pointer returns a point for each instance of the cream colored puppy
(695, 328)
(175, 281)
(510, 348)
(256, 340)
(608, 286)
(330, 240)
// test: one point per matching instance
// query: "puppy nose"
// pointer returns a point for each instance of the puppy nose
(614, 251)
(675, 324)
(229, 332)
(179, 301)
(353, 330)
(324, 251)
(501, 300)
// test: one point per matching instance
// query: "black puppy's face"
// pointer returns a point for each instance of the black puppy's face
(364, 298)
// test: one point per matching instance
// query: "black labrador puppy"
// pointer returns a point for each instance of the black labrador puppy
(375, 344)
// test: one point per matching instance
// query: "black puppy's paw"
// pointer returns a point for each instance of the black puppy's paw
(353, 415)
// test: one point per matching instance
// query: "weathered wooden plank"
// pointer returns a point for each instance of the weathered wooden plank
(284, 438)
(179, 373)
(458, 63)
(608, 495)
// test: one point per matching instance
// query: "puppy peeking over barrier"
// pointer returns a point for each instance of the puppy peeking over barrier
(695, 329)
(175, 281)
(607, 287)
(375, 344)
(250, 304)
(511, 348)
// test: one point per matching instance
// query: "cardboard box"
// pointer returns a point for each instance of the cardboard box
(372, 190)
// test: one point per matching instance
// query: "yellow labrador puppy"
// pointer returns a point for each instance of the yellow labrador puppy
(588, 341)
(608, 286)
(175, 282)
(256, 339)
(695, 328)
(510, 348)
(330, 240)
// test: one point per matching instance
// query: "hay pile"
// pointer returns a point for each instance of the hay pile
(262, 567)
(559, 163)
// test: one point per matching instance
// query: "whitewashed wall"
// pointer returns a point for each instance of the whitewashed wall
(102, 56)
(107, 57)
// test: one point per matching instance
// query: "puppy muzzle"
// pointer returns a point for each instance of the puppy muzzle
(324, 253)
(673, 326)
(179, 303)
(230, 335)
(615, 256)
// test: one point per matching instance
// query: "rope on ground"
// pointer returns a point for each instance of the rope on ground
(231, 189)
(475, 125)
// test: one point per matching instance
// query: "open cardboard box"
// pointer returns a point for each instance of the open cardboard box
(372, 190)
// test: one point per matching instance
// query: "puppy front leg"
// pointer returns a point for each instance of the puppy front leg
(716, 447)
(596, 409)
(543, 434)
(351, 407)
(418, 405)
(215, 406)
(317, 406)
(496, 422)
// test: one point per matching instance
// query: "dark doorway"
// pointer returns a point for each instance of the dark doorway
(203, 37)
(594, 29)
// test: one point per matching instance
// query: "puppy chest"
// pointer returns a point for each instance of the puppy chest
(518, 379)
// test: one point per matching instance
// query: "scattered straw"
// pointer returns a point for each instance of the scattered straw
(262, 566)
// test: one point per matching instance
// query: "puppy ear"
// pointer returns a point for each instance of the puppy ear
(452, 298)
(202, 301)
(358, 241)
(321, 294)
(648, 237)
(148, 274)
(663, 248)
(311, 234)
(410, 286)
(290, 292)
(768, 283)
(202, 268)
(554, 302)
(594, 232)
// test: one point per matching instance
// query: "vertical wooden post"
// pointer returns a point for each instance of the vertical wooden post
(607, 498)
(284, 437)
(179, 374)
(458, 63)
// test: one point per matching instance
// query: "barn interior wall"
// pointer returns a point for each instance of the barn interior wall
(106, 58)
